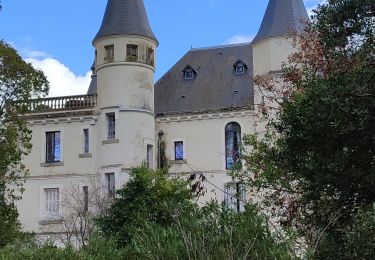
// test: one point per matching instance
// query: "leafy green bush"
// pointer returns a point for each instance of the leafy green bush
(148, 196)
(10, 228)
(212, 232)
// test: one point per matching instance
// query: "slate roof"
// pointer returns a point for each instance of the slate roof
(281, 17)
(125, 17)
(215, 85)
(93, 88)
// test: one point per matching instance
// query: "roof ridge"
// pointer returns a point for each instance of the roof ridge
(221, 46)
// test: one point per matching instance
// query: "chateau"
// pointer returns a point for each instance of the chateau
(192, 119)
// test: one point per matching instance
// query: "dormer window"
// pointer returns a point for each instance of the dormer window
(189, 72)
(240, 67)
(132, 52)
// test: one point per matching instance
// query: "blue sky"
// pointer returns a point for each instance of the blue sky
(56, 35)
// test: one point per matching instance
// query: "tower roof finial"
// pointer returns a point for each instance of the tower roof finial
(125, 17)
(281, 17)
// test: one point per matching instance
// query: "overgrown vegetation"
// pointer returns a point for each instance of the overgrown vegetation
(317, 161)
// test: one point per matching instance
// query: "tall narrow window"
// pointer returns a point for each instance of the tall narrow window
(150, 156)
(179, 151)
(111, 125)
(86, 141)
(52, 198)
(109, 55)
(110, 181)
(235, 195)
(53, 153)
(232, 144)
(150, 57)
(86, 198)
(131, 52)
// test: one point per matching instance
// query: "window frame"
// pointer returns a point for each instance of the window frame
(110, 179)
(150, 156)
(150, 56)
(49, 214)
(54, 158)
(238, 66)
(236, 150)
(111, 125)
(175, 145)
(86, 141)
(85, 194)
(237, 200)
(109, 49)
(130, 56)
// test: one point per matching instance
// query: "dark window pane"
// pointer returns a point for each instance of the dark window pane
(86, 141)
(86, 198)
(110, 178)
(53, 153)
(179, 151)
(232, 144)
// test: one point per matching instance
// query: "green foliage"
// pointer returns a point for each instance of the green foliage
(149, 196)
(320, 149)
(357, 241)
(98, 249)
(9, 225)
(211, 232)
(18, 81)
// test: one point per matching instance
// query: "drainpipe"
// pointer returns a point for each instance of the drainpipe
(160, 137)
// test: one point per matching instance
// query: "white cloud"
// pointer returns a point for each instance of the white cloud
(240, 39)
(63, 82)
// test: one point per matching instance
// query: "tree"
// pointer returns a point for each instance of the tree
(18, 81)
(318, 157)
(82, 205)
(149, 196)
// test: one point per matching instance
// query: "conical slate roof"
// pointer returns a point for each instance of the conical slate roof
(281, 17)
(125, 17)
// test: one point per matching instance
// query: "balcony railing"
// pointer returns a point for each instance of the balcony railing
(59, 103)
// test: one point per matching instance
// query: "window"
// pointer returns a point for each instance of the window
(150, 156)
(52, 199)
(234, 197)
(131, 52)
(109, 53)
(179, 151)
(240, 69)
(86, 141)
(232, 144)
(53, 153)
(150, 57)
(189, 74)
(111, 124)
(86, 198)
(110, 181)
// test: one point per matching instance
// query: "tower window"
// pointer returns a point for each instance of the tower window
(109, 53)
(131, 52)
(150, 156)
(52, 200)
(111, 124)
(150, 60)
(86, 198)
(232, 144)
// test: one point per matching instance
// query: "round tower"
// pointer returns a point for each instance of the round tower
(125, 48)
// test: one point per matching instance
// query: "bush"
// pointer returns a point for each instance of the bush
(211, 232)
(149, 196)
(10, 227)
(357, 241)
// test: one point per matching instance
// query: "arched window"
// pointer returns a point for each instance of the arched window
(232, 144)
